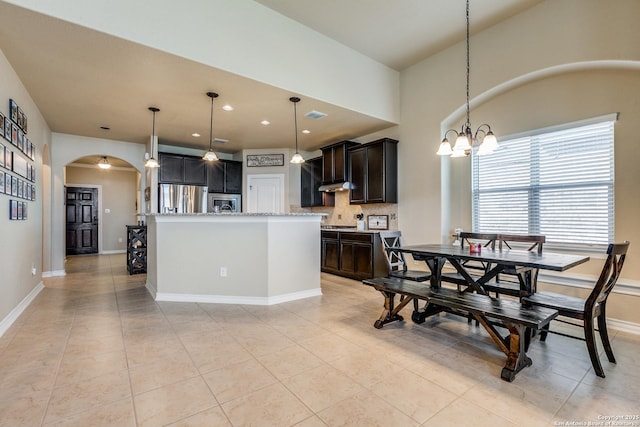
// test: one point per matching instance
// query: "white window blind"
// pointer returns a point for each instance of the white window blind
(558, 183)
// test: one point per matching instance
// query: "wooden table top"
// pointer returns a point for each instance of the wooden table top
(545, 261)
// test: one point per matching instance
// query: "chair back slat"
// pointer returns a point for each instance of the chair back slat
(395, 259)
(616, 254)
(487, 239)
(536, 241)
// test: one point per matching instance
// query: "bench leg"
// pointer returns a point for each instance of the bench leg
(517, 358)
(390, 313)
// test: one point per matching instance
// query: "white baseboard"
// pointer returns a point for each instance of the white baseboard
(13, 315)
(117, 251)
(54, 273)
(223, 299)
(152, 289)
(623, 326)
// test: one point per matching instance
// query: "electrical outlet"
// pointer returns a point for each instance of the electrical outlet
(33, 270)
(107, 210)
(339, 216)
(223, 271)
(119, 239)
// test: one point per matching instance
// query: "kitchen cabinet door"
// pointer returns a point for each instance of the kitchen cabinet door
(233, 177)
(330, 255)
(310, 181)
(194, 171)
(215, 177)
(373, 172)
(171, 168)
(357, 175)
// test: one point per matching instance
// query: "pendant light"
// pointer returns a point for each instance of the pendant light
(211, 155)
(296, 158)
(104, 163)
(465, 139)
(151, 161)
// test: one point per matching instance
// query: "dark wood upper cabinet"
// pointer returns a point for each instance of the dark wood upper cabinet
(373, 172)
(334, 162)
(194, 171)
(224, 176)
(310, 181)
(179, 169)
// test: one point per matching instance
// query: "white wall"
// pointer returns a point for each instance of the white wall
(65, 149)
(536, 69)
(21, 241)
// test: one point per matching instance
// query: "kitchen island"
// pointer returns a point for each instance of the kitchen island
(234, 258)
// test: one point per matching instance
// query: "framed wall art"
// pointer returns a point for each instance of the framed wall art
(258, 160)
(1, 182)
(378, 222)
(7, 128)
(13, 111)
(13, 209)
(2, 151)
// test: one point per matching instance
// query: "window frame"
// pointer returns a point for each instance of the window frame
(533, 187)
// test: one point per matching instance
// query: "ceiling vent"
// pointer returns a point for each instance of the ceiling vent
(220, 140)
(315, 115)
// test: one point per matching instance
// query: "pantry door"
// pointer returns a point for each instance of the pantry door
(265, 193)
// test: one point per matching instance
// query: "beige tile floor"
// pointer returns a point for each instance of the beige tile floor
(94, 349)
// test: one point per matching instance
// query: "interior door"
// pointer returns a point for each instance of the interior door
(82, 220)
(265, 193)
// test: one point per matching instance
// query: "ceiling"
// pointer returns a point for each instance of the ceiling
(82, 79)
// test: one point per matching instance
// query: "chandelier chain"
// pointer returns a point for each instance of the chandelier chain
(468, 67)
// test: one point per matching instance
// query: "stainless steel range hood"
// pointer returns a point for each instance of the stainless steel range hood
(338, 186)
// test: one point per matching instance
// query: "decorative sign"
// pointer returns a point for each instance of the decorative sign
(265, 160)
(378, 222)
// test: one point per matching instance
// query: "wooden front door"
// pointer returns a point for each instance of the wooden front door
(82, 220)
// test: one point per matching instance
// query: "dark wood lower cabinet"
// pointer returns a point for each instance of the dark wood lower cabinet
(352, 254)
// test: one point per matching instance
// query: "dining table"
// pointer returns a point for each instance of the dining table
(519, 262)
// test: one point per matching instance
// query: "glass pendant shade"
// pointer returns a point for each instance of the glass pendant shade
(445, 148)
(297, 158)
(491, 141)
(104, 163)
(462, 143)
(210, 156)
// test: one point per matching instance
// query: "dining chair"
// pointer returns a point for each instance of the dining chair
(588, 310)
(487, 240)
(395, 259)
(511, 285)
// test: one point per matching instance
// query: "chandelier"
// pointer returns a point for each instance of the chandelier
(483, 137)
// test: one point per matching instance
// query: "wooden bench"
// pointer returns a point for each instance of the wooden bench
(519, 320)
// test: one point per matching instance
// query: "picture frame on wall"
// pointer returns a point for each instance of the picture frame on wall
(33, 193)
(20, 121)
(24, 210)
(7, 183)
(13, 111)
(14, 186)
(2, 124)
(7, 128)
(13, 209)
(29, 190)
(19, 214)
(20, 140)
(14, 134)
(1, 182)
(8, 159)
(2, 151)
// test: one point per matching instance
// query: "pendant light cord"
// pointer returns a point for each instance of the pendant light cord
(295, 123)
(468, 68)
(211, 127)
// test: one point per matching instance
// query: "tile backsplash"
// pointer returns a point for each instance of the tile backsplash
(345, 214)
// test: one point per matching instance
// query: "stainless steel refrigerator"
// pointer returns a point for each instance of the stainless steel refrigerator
(177, 198)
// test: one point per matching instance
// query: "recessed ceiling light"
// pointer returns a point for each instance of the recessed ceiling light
(195, 135)
(306, 131)
(227, 108)
(265, 122)
(105, 128)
